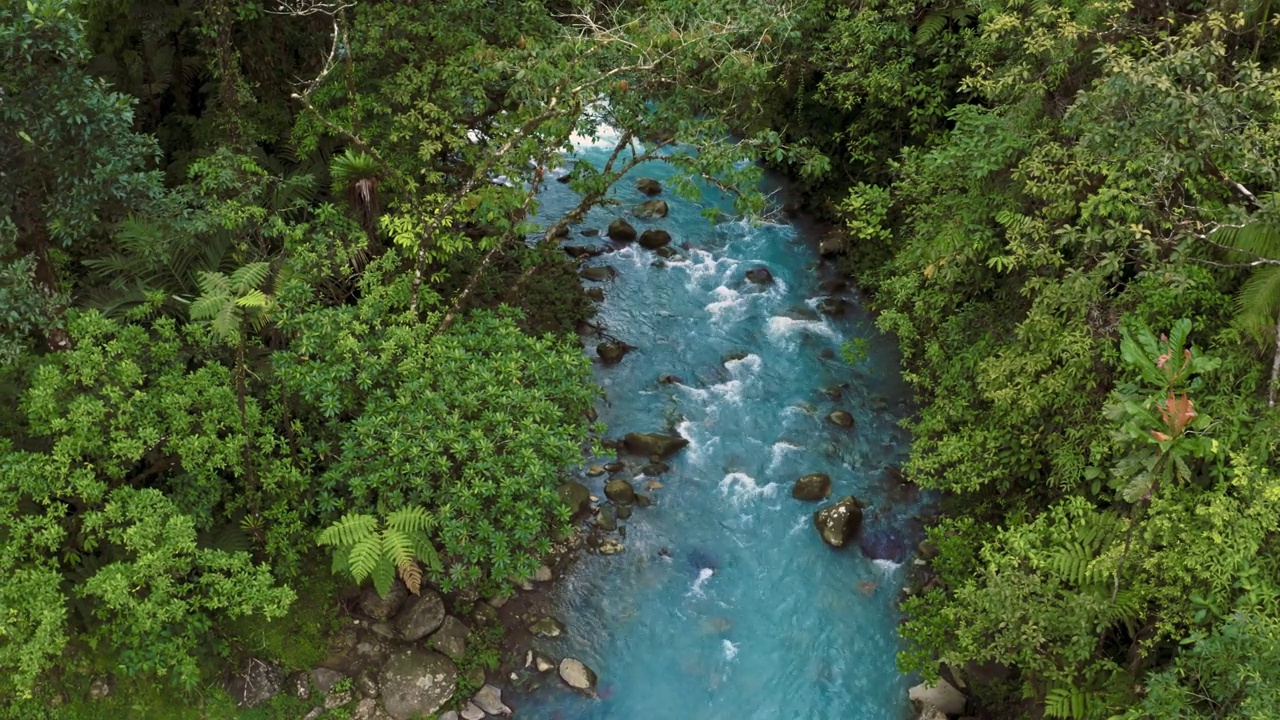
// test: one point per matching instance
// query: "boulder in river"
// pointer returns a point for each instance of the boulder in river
(838, 523)
(607, 518)
(578, 676)
(621, 231)
(832, 306)
(649, 186)
(597, 274)
(576, 496)
(654, 239)
(760, 275)
(883, 542)
(417, 683)
(595, 293)
(841, 419)
(620, 491)
(581, 251)
(611, 352)
(590, 232)
(650, 444)
(812, 487)
(547, 627)
(611, 547)
(650, 209)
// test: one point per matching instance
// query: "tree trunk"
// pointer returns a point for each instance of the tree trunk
(1275, 368)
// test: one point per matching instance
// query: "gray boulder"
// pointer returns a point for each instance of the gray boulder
(651, 444)
(451, 638)
(417, 683)
(583, 251)
(620, 491)
(578, 676)
(654, 239)
(323, 679)
(838, 523)
(383, 608)
(471, 712)
(649, 186)
(943, 697)
(650, 209)
(421, 616)
(489, 699)
(612, 352)
(621, 231)
(256, 683)
(812, 487)
(596, 274)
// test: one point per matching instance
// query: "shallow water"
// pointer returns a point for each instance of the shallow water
(750, 616)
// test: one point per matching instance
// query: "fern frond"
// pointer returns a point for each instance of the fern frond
(351, 529)
(398, 546)
(249, 277)
(208, 306)
(929, 27)
(1258, 301)
(410, 519)
(383, 573)
(366, 555)
(341, 560)
(426, 552)
(213, 283)
(411, 575)
(253, 299)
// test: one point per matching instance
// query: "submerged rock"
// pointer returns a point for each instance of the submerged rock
(883, 543)
(620, 491)
(612, 352)
(812, 487)
(596, 274)
(665, 252)
(650, 209)
(611, 547)
(654, 239)
(841, 419)
(607, 518)
(417, 683)
(649, 186)
(595, 293)
(621, 231)
(760, 275)
(659, 444)
(578, 676)
(838, 523)
(581, 251)
(547, 627)
(590, 232)
(833, 307)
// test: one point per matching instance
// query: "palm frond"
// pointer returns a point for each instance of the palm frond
(1258, 301)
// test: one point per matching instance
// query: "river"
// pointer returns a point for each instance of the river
(726, 604)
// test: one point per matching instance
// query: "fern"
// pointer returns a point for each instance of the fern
(366, 549)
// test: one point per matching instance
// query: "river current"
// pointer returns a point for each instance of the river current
(726, 604)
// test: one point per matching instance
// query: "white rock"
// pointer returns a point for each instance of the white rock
(942, 696)
(542, 574)
(471, 712)
(578, 676)
(489, 699)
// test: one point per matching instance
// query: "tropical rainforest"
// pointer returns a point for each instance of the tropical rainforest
(274, 317)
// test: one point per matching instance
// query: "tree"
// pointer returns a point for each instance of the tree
(1258, 301)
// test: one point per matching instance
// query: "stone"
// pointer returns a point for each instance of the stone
(298, 685)
(838, 523)
(581, 251)
(883, 542)
(354, 648)
(337, 699)
(621, 231)
(596, 274)
(451, 638)
(650, 209)
(101, 688)
(760, 275)
(812, 487)
(643, 500)
(623, 512)
(451, 715)
(620, 491)
(323, 679)
(650, 444)
(943, 696)
(649, 186)
(670, 380)
(655, 468)
(615, 467)
(256, 683)
(590, 232)
(832, 307)
(367, 684)
(595, 293)
(840, 418)
(489, 699)
(417, 682)
(578, 676)
(384, 631)
(576, 496)
(567, 177)
(547, 627)
(595, 470)
(927, 550)
(611, 547)
(607, 518)
(558, 231)
(314, 713)
(367, 709)
(612, 353)
(383, 608)
(831, 286)
(832, 244)
(421, 616)
(542, 664)
(471, 712)
(542, 574)
(654, 239)
(665, 252)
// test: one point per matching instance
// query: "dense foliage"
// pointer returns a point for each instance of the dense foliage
(269, 292)
(1066, 212)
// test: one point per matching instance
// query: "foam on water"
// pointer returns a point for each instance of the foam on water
(704, 575)
(730, 650)
(782, 328)
(742, 488)
(726, 299)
